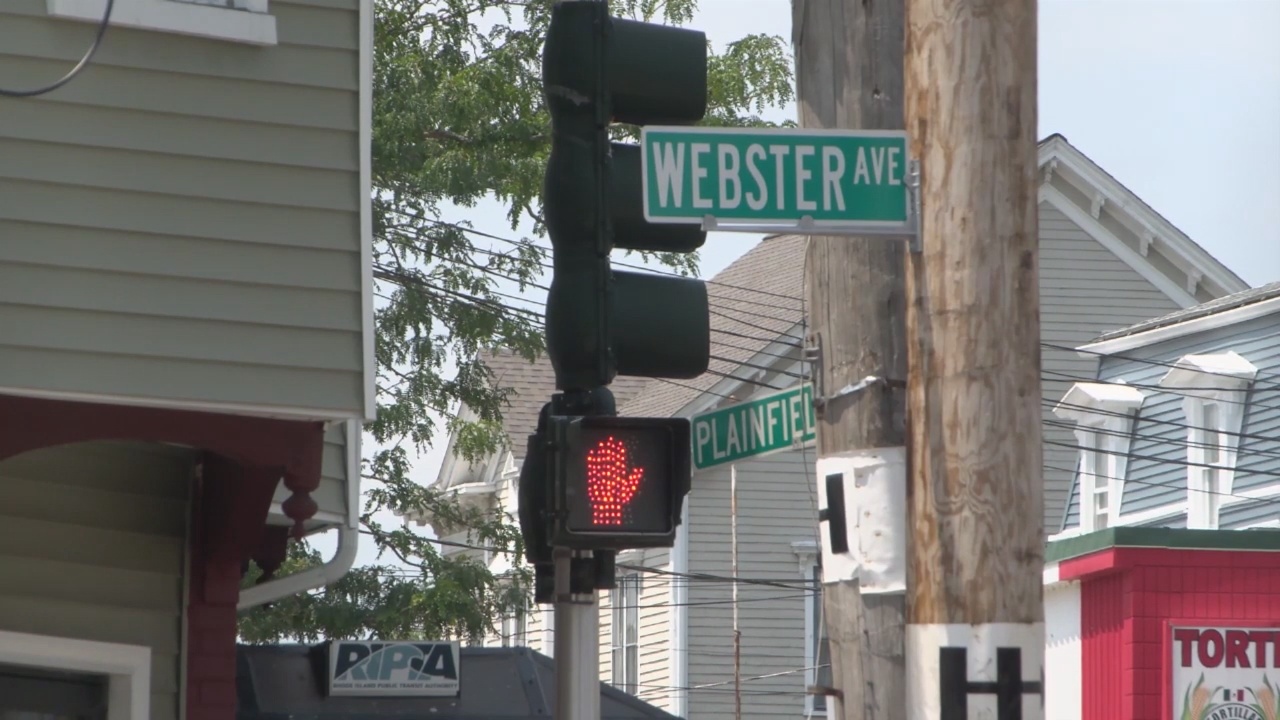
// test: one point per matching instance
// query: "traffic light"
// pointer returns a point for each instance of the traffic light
(620, 481)
(603, 322)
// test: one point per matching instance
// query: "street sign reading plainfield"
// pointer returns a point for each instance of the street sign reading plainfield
(825, 178)
(760, 426)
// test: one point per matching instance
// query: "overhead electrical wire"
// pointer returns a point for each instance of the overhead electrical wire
(73, 72)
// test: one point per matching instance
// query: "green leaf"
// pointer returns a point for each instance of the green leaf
(459, 118)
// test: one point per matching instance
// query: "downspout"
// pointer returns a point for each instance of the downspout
(348, 542)
(680, 628)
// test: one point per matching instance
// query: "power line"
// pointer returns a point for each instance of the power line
(80, 66)
(1138, 421)
(717, 283)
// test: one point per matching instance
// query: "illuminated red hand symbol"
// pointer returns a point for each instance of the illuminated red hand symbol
(610, 483)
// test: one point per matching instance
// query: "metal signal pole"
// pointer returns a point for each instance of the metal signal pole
(577, 645)
(975, 638)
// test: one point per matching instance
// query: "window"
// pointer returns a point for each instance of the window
(36, 694)
(54, 678)
(549, 631)
(625, 600)
(817, 654)
(513, 630)
(817, 647)
(1104, 415)
(1207, 476)
(1214, 388)
(240, 21)
(1095, 481)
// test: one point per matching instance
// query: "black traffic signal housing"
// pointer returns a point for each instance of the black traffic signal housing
(619, 482)
(601, 322)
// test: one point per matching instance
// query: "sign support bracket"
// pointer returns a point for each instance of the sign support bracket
(909, 230)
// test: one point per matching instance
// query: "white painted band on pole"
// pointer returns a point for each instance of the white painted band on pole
(960, 672)
(874, 483)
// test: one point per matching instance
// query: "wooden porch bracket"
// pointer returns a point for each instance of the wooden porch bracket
(291, 449)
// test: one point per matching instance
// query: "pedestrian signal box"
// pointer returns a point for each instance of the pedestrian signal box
(618, 482)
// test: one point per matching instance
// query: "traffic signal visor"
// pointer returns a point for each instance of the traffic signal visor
(622, 481)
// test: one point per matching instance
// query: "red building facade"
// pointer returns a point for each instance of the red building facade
(1172, 624)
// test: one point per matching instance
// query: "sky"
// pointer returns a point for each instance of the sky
(1179, 100)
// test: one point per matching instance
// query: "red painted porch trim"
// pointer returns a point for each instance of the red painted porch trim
(228, 525)
(292, 448)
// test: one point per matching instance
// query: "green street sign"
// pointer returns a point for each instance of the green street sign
(851, 180)
(760, 426)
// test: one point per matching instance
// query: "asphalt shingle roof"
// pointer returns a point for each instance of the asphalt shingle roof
(532, 385)
(1222, 304)
(754, 300)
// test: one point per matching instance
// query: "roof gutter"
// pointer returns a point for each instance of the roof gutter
(343, 558)
(1212, 321)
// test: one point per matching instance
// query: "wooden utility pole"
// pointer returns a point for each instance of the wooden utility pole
(975, 633)
(849, 56)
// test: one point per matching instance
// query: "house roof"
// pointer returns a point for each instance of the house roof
(286, 682)
(754, 301)
(1136, 230)
(1256, 539)
(1213, 307)
(532, 385)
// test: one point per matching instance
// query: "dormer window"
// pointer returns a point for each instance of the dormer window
(1104, 415)
(1214, 388)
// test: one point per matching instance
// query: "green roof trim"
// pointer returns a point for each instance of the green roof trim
(1262, 539)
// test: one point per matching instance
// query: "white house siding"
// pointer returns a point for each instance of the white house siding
(655, 623)
(777, 506)
(1062, 660)
(92, 545)
(1085, 290)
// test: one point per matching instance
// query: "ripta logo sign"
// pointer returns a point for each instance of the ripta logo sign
(394, 668)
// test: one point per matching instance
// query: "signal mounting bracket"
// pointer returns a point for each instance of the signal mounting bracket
(806, 225)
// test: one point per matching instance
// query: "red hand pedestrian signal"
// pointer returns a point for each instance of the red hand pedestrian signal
(611, 483)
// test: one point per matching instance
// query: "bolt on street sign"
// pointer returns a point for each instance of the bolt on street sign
(761, 426)
(750, 180)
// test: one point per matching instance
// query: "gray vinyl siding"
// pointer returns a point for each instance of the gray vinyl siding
(777, 506)
(92, 545)
(1085, 290)
(182, 221)
(331, 496)
(1157, 471)
(1244, 514)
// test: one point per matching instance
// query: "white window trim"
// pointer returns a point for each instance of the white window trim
(1107, 411)
(127, 667)
(549, 631)
(619, 605)
(245, 21)
(1221, 380)
(807, 554)
(515, 629)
